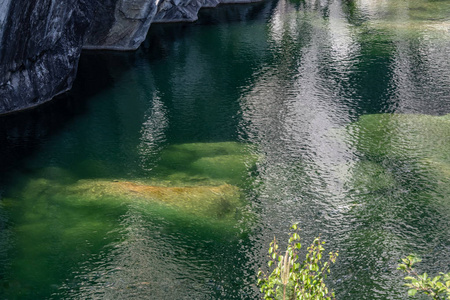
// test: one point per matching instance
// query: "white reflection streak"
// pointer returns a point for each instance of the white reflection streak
(311, 116)
(342, 42)
(306, 112)
(152, 133)
(277, 21)
(140, 266)
(373, 8)
(316, 108)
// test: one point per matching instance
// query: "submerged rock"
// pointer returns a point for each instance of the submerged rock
(369, 177)
(408, 153)
(192, 188)
(403, 136)
(228, 161)
(219, 202)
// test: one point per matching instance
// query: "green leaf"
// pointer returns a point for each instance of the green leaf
(435, 279)
(412, 292)
(302, 279)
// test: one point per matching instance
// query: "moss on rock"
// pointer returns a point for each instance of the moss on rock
(369, 176)
(208, 201)
(228, 161)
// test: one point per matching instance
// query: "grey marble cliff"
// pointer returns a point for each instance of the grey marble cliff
(178, 11)
(40, 45)
(41, 40)
(123, 24)
(119, 24)
(187, 10)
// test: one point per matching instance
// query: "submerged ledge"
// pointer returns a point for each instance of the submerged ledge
(41, 41)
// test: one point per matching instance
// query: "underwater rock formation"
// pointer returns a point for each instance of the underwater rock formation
(369, 177)
(179, 185)
(403, 136)
(218, 202)
(404, 149)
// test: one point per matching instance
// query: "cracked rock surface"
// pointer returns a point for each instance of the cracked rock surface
(119, 24)
(186, 11)
(40, 46)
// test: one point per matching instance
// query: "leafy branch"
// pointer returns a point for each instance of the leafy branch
(291, 279)
(438, 287)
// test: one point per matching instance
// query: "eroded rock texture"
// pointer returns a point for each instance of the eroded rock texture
(41, 42)
(123, 24)
(178, 11)
(186, 11)
(119, 24)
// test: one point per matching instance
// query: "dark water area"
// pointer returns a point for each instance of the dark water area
(166, 172)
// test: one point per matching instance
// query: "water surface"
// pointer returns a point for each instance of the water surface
(165, 173)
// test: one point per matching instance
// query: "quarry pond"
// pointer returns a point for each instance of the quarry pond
(166, 172)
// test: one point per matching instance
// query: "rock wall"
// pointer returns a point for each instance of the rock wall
(41, 40)
(186, 11)
(119, 24)
(178, 11)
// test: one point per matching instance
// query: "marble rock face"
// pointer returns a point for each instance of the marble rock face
(186, 11)
(40, 46)
(119, 24)
(179, 11)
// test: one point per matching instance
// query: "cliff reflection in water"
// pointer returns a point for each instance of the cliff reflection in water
(331, 114)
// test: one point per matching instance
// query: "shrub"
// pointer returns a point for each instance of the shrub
(291, 279)
(438, 287)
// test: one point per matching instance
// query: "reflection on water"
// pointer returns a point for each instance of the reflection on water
(168, 171)
(152, 134)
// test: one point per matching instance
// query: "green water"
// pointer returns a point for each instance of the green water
(165, 173)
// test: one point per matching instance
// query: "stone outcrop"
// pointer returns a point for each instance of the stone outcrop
(40, 46)
(119, 24)
(123, 24)
(41, 40)
(186, 11)
(178, 11)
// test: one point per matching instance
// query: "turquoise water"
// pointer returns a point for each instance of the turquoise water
(165, 173)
